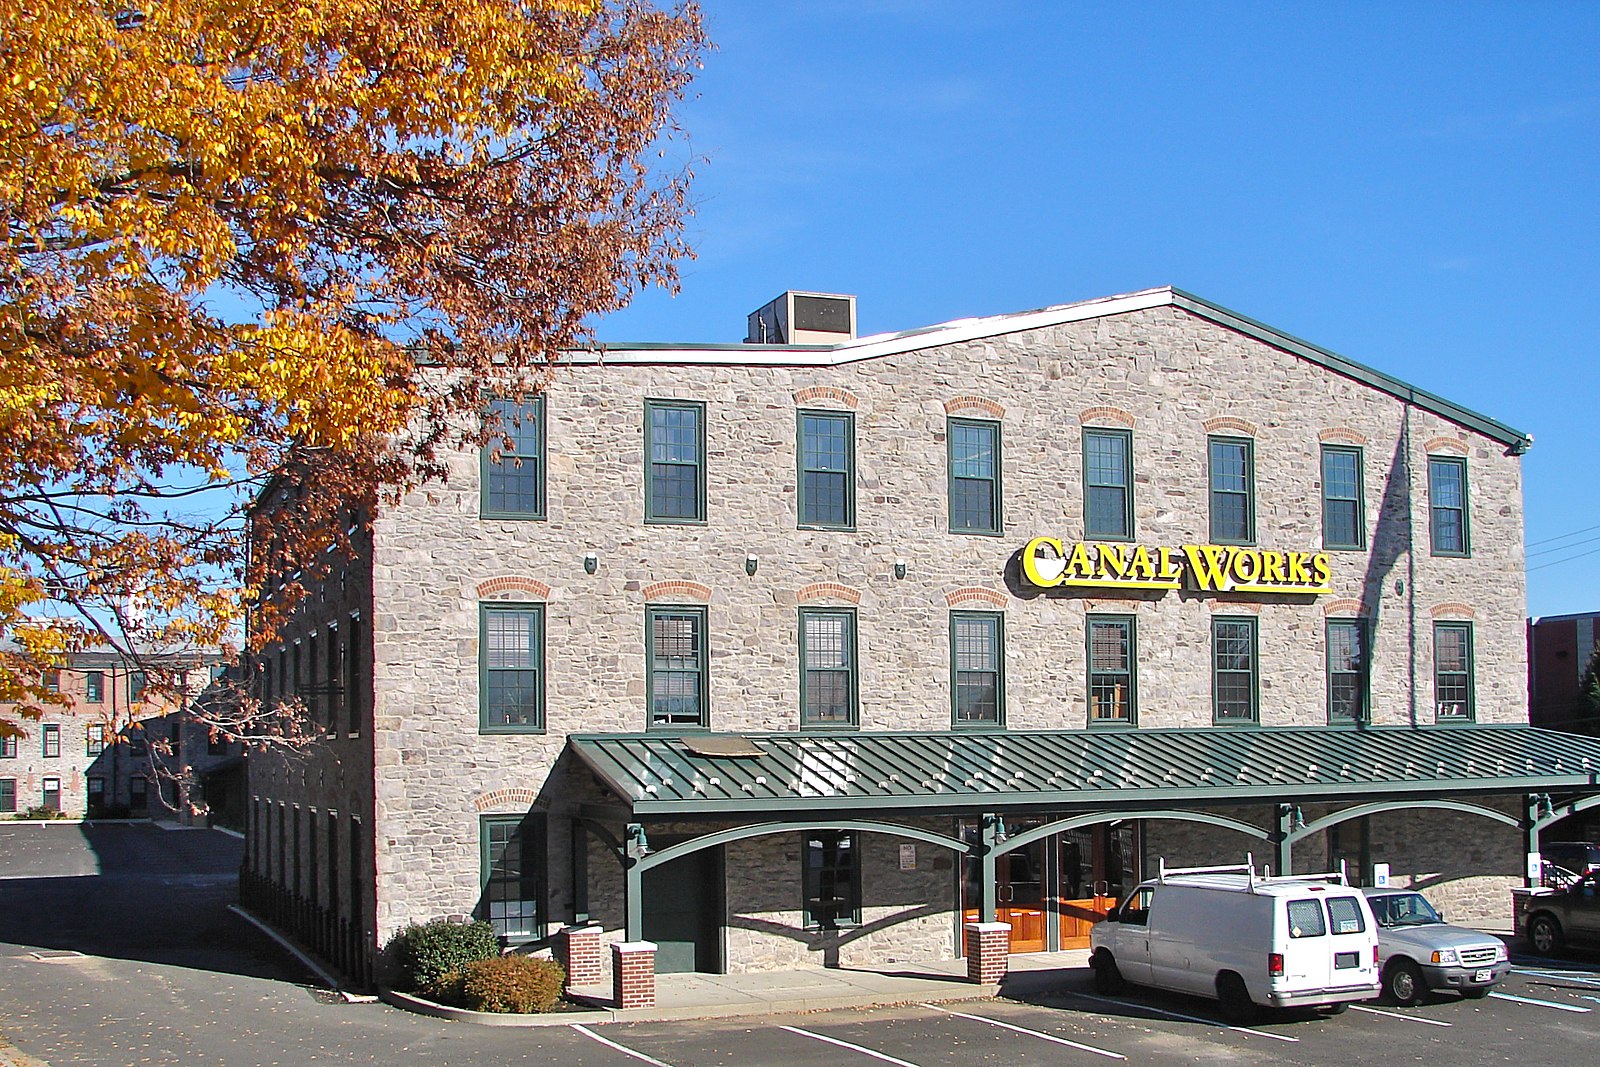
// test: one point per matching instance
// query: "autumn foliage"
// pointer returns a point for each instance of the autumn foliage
(230, 234)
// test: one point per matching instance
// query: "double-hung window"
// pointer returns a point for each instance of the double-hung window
(977, 663)
(94, 687)
(974, 468)
(52, 741)
(8, 748)
(1452, 671)
(8, 794)
(1344, 522)
(832, 879)
(1233, 490)
(1234, 678)
(52, 794)
(1108, 485)
(827, 470)
(1348, 665)
(827, 667)
(96, 739)
(511, 668)
(513, 875)
(513, 467)
(1447, 506)
(675, 461)
(1112, 674)
(676, 673)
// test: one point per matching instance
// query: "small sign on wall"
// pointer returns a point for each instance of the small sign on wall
(1535, 867)
(908, 857)
(1380, 875)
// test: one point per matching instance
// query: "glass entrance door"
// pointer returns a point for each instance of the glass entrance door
(1098, 865)
(1020, 892)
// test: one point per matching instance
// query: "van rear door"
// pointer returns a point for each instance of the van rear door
(1307, 956)
(1352, 938)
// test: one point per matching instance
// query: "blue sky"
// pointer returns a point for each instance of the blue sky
(1415, 186)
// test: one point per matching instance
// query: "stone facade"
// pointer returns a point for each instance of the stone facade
(424, 773)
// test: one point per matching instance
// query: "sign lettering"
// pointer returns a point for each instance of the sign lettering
(1048, 563)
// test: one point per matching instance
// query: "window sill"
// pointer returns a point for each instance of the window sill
(486, 730)
(512, 516)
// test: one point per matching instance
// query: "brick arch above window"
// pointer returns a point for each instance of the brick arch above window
(510, 583)
(1234, 607)
(1342, 435)
(1453, 609)
(824, 394)
(700, 594)
(974, 405)
(1105, 415)
(505, 800)
(1453, 445)
(975, 594)
(810, 594)
(1345, 606)
(1230, 424)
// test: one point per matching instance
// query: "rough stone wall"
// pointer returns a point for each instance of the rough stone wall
(1170, 373)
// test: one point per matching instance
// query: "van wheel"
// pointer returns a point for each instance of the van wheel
(1545, 933)
(1107, 978)
(1237, 1007)
(1403, 983)
(1335, 1009)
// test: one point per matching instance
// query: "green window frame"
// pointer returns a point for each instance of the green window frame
(136, 685)
(973, 467)
(513, 464)
(1349, 670)
(1344, 507)
(52, 741)
(1231, 474)
(94, 687)
(826, 450)
(676, 666)
(50, 794)
(1449, 523)
(828, 675)
(8, 795)
(1453, 677)
(1111, 648)
(95, 739)
(513, 866)
(977, 669)
(831, 878)
(1108, 485)
(8, 748)
(511, 680)
(674, 462)
(1235, 669)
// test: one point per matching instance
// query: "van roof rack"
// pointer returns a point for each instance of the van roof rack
(1252, 880)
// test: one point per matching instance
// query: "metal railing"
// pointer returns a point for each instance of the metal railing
(319, 931)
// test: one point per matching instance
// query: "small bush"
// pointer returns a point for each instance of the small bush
(429, 953)
(521, 984)
(42, 812)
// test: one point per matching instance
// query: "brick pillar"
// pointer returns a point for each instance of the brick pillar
(633, 974)
(988, 952)
(580, 955)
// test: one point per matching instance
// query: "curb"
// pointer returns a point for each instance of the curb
(310, 964)
(407, 1002)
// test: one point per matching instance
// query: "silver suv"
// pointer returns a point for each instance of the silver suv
(1419, 951)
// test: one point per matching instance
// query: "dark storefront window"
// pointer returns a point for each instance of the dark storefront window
(832, 879)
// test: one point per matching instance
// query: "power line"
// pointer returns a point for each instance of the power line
(1563, 548)
(1568, 559)
(1561, 537)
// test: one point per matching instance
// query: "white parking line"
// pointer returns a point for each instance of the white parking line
(1585, 977)
(1185, 1018)
(1542, 1003)
(626, 1051)
(885, 1057)
(1397, 1015)
(1031, 1033)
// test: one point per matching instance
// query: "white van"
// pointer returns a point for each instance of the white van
(1247, 940)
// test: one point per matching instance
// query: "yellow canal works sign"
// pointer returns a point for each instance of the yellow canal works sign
(1047, 563)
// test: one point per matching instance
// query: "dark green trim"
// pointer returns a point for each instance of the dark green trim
(997, 621)
(853, 667)
(1254, 626)
(1465, 552)
(541, 465)
(1249, 490)
(1444, 625)
(1360, 541)
(1089, 533)
(1515, 441)
(700, 614)
(1130, 624)
(484, 611)
(532, 844)
(849, 421)
(699, 518)
(997, 483)
(1364, 629)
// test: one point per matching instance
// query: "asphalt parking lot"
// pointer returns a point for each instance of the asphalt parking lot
(116, 947)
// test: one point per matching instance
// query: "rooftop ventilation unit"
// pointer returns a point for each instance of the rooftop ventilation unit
(803, 319)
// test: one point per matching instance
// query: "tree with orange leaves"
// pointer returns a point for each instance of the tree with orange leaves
(231, 232)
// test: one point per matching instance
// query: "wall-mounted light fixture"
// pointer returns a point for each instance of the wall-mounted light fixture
(750, 564)
(899, 568)
(591, 562)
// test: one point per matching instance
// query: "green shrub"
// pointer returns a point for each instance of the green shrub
(429, 953)
(42, 812)
(520, 984)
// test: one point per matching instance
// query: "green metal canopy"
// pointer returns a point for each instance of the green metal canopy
(667, 774)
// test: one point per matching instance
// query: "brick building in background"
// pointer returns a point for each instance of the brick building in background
(1560, 649)
(811, 649)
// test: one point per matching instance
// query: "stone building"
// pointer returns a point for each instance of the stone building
(808, 649)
